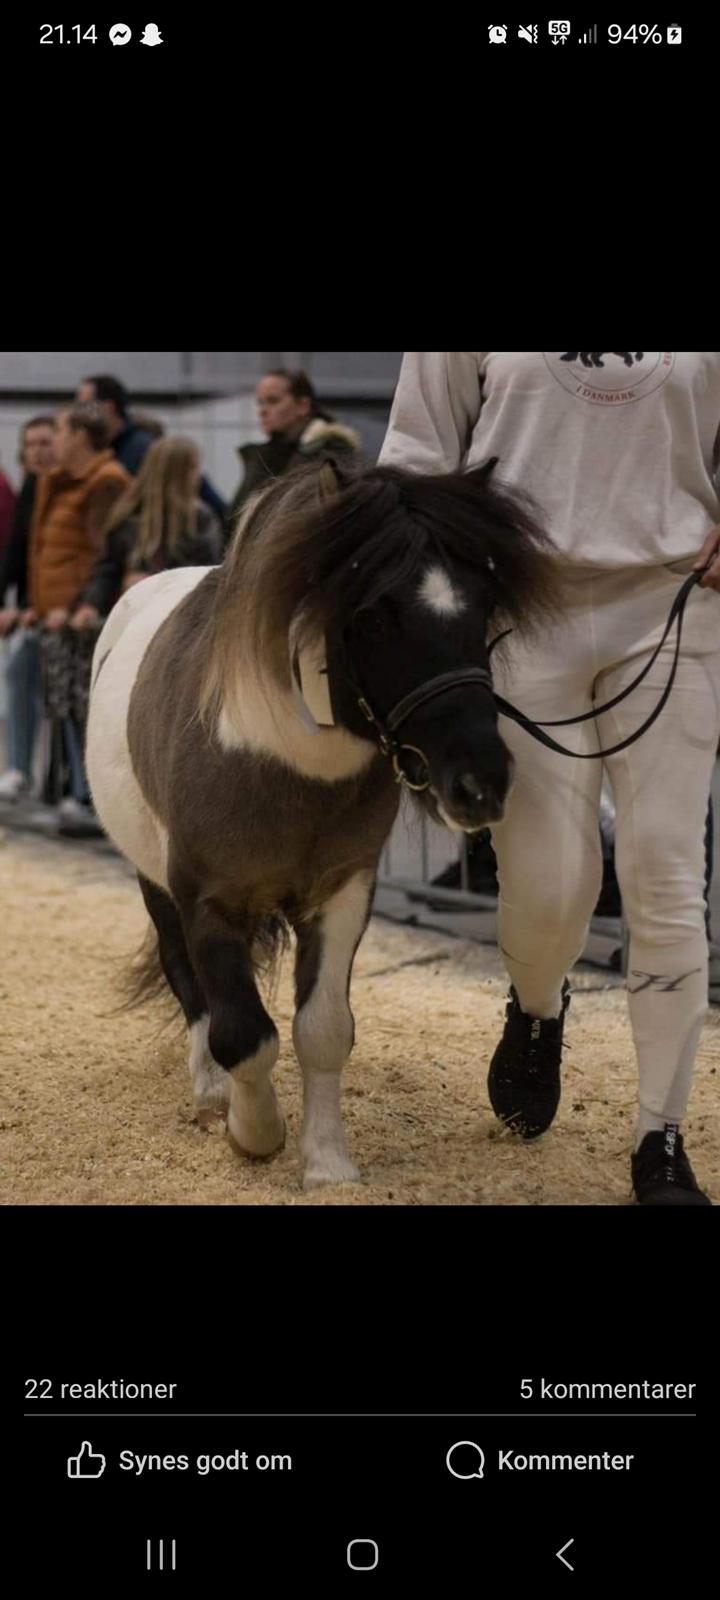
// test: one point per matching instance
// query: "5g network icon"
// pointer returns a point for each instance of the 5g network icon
(558, 31)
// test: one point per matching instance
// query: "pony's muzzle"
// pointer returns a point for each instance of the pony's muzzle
(474, 794)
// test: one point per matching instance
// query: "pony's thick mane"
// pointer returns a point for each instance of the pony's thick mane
(319, 543)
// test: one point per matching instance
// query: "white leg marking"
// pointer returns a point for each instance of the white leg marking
(322, 1035)
(211, 1083)
(256, 1125)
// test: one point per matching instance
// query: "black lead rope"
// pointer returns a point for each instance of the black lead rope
(677, 612)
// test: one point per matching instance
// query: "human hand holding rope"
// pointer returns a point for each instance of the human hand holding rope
(710, 549)
(56, 618)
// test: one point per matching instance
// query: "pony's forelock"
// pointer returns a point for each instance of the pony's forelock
(312, 547)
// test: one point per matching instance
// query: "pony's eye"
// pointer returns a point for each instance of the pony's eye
(369, 621)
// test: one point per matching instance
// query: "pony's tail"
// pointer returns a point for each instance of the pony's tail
(144, 980)
(270, 940)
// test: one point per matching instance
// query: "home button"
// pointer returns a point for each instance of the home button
(362, 1555)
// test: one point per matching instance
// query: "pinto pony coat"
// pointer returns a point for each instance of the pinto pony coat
(244, 817)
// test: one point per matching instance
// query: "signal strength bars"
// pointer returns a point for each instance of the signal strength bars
(590, 37)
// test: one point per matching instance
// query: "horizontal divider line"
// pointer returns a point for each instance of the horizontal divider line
(393, 1416)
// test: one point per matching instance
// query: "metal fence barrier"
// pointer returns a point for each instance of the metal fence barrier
(418, 850)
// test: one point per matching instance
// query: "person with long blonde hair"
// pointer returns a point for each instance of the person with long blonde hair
(158, 523)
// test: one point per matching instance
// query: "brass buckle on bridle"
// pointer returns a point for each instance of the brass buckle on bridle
(390, 747)
(402, 777)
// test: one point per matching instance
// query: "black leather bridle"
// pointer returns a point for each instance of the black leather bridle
(387, 726)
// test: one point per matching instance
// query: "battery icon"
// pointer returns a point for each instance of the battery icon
(674, 34)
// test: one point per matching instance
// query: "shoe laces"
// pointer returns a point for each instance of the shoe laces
(542, 1041)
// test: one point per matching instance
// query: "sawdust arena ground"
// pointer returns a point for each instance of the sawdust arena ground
(96, 1108)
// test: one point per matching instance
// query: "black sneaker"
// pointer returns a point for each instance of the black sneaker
(662, 1174)
(524, 1078)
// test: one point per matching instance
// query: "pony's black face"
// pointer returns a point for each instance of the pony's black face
(436, 622)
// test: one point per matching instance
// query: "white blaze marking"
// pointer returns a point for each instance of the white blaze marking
(437, 592)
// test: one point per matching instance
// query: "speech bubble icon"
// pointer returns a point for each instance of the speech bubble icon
(120, 33)
(466, 1444)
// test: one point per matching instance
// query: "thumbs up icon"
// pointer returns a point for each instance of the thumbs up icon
(86, 1465)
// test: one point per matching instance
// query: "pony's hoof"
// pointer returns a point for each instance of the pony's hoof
(211, 1120)
(329, 1170)
(264, 1148)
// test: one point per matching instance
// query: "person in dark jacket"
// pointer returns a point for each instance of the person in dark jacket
(297, 428)
(130, 437)
(8, 502)
(23, 660)
(35, 456)
(159, 523)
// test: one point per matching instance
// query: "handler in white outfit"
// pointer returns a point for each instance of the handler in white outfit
(620, 450)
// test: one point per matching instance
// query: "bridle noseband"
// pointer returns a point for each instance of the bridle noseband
(387, 726)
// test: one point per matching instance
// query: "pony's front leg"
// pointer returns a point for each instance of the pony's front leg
(241, 1035)
(324, 1030)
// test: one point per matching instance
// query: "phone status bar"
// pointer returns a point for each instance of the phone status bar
(558, 34)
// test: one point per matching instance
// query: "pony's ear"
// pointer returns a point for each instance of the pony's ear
(337, 475)
(329, 480)
(480, 475)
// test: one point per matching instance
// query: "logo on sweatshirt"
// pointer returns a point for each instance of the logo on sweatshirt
(610, 377)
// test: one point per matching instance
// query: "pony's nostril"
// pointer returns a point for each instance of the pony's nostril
(468, 787)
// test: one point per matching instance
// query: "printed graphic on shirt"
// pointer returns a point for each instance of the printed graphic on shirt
(610, 377)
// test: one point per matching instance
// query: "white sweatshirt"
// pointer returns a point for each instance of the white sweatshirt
(619, 449)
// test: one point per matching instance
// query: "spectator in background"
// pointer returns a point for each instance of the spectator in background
(126, 437)
(152, 425)
(23, 663)
(73, 502)
(297, 427)
(35, 456)
(8, 501)
(131, 437)
(158, 523)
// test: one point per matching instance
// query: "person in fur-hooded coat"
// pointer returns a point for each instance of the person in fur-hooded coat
(297, 428)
